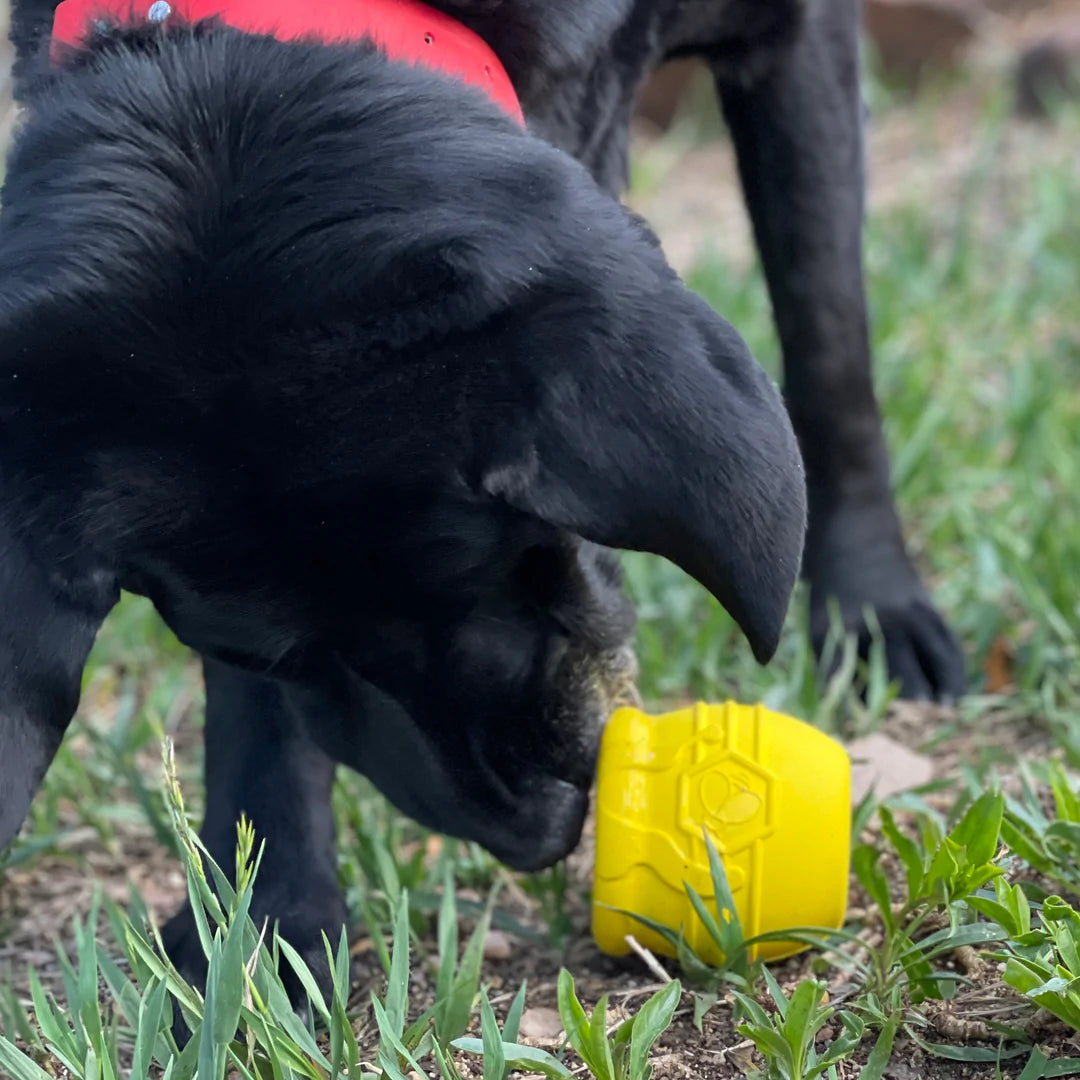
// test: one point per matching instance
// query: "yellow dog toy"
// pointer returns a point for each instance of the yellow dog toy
(774, 795)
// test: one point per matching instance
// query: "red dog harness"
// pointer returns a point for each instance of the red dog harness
(404, 29)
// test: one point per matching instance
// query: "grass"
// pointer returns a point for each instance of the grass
(978, 366)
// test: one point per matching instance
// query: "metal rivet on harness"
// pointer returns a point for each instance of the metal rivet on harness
(159, 11)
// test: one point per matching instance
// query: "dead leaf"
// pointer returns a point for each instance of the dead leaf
(885, 765)
(999, 666)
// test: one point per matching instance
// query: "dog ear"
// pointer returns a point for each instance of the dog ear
(48, 620)
(662, 434)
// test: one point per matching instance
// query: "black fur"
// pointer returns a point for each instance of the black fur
(351, 376)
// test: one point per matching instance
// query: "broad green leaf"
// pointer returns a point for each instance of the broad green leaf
(1039, 1067)
(1064, 924)
(651, 1022)
(1004, 914)
(702, 1004)
(979, 829)
(771, 1043)
(752, 1009)
(1015, 834)
(1066, 831)
(575, 1022)
(804, 1017)
(941, 877)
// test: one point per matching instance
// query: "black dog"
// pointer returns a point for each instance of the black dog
(787, 77)
(351, 375)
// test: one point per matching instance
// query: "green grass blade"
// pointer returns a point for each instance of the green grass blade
(211, 1051)
(880, 1056)
(965, 1053)
(528, 1059)
(231, 976)
(866, 862)
(61, 1038)
(717, 930)
(513, 1017)
(147, 1029)
(390, 1035)
(307, 980)
(599, 1047)
(397, 991)
(448, 938)
(19, 1067)
(494, 1058)
(457, 1006)
(731, 931)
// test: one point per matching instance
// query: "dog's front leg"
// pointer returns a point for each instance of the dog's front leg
(798, 134)
(260, 763)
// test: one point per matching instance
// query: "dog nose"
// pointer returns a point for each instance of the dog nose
(552, 830)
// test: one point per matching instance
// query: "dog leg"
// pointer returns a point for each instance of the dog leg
(798, 135)
(260, 763)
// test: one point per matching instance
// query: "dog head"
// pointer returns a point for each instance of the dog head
(358, 385)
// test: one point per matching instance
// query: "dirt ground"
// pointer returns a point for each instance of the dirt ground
(38, 901)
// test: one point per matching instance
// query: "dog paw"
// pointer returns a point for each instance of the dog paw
(301, 922)
(921, 653)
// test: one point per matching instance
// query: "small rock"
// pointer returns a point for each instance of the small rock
(497, 946)
(541, 1025)
(886, 766)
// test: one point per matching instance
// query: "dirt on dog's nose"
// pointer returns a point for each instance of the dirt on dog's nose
(618, 671)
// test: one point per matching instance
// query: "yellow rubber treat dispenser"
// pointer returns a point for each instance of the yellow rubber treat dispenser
(774, 795)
